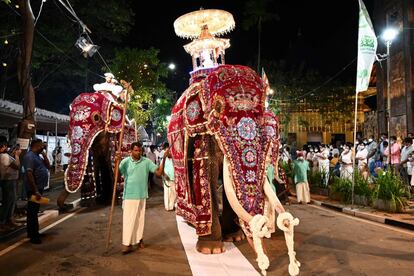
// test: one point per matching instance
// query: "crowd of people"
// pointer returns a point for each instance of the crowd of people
(139, 170)
(23, 177)
(145, 163)
(34, 170)
(370, 156)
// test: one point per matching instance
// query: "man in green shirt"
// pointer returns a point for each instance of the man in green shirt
(135, 170)
(300, 174)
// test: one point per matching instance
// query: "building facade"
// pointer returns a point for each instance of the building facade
(398, 14)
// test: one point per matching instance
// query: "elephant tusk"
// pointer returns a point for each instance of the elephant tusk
(273, 200)
(231, 194)
(257, 223)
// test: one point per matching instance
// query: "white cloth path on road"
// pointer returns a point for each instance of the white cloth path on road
(231, 262)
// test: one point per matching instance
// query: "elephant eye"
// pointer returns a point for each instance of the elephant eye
(219, 106)
(96, 117)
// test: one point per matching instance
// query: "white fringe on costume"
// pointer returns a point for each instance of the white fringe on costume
(169, 194)
(133, 221)
(302, 192)
(294, 264)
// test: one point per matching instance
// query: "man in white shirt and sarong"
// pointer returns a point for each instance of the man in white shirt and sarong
(323, 163)
(168, 182)
(346, 162)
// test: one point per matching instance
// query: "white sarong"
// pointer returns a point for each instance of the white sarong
(302, 192)
(169, 194)
(133, 221)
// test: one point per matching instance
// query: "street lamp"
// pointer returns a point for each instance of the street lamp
(171, 66)
(388, 36)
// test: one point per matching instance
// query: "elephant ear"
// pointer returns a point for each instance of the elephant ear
(237, 119)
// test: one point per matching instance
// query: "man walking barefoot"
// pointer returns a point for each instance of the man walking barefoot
(135, 170)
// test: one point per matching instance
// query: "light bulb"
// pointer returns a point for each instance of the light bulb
(6, 42)
(4, 64)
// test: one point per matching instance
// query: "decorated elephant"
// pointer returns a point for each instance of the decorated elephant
(220, 124)
(94, 127)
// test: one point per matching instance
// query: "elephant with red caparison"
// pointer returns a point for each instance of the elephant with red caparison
(220, 125)
(94, 127)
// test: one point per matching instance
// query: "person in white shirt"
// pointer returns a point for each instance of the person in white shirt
(361, 156)
(160, 155)
(9, 174)
(346, 162)
(168, 183)
(323, 163)
(153, 157)
(286, 155)
(315, 160)
(405, 152)
(151, 154)
(410, 170)
(309, 157)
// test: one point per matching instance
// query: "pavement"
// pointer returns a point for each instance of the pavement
(402, 220)
(326, 242)
(47, 212)
(50, 212)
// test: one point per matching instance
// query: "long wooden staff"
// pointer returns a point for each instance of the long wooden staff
(117, 160)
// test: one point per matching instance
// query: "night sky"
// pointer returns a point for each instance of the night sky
(320, 33)
(327, 41)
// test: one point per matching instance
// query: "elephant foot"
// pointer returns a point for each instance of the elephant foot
(235, 237)
(61, 199)
(210, 247)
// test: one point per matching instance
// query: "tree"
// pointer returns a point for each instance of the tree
(151, 101)
(257, 13)
(24, 61)
(53, 54)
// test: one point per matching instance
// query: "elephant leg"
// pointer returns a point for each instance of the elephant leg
(102, 168)
(103, 180)
(62, 198)
(229, 223)
(212, 244)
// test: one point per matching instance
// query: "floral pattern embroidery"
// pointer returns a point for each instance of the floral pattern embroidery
(76, 148)
(193, 110)
(82, 113)
(77, 133)
(249, 157)
(116, 115)
(247, 128)
(89, 98)
(270, 131)
(251, 176)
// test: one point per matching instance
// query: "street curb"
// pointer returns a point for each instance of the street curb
(44, 217)
(48, 215)
(371, 217)
(70, 207)
(75, 204)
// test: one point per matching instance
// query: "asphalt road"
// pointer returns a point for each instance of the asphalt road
(327, 243)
